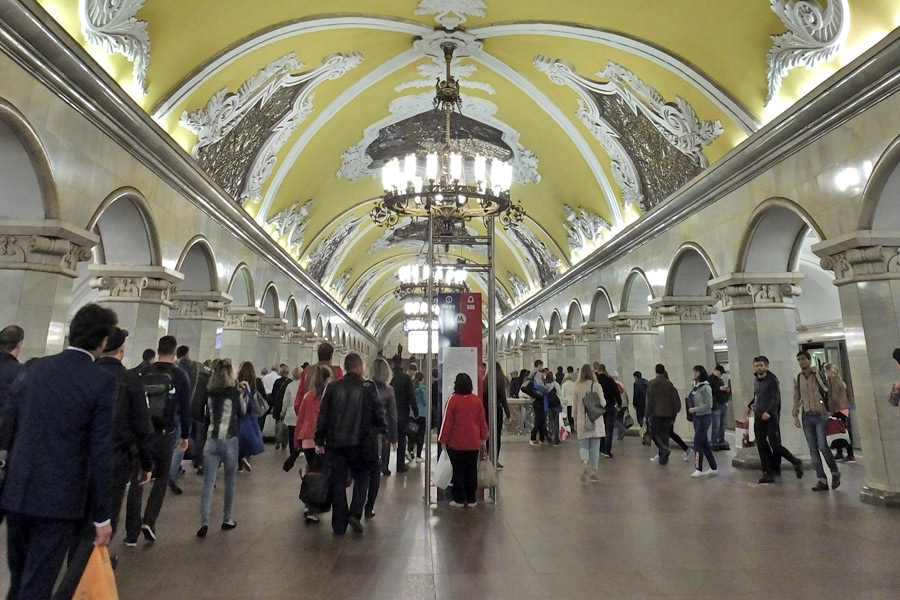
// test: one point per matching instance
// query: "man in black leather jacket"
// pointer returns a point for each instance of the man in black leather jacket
(350, 414)
(406, 401)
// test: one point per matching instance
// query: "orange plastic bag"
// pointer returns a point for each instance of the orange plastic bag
(98, 581)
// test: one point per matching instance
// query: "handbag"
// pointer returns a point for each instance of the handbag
(412, 429)
(592, 405)
(262, 407)
(249, 436)
(443, 470)
(486, 476)
(315, 486)
(627, 419)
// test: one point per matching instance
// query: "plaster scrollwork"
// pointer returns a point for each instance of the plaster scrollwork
(865, 263)
(583, 227)
(814, 36)
(520, 289)
(321, 259)
(111, 26)
(197, 309)
(241, 320)
(11, 250)
(429, 72)
(758, 295)
(541, 261)
(677, 122)
(339, 285)
(451, 13)
(356, 164)
(225, 110)
(683, 313)
(292, 222)
(22, 248)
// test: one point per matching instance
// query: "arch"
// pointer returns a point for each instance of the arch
(601, 306)
(540, 329)
(319, 329)
(329, 333)
(519, 339)
(574, 315)
(528, 334)
(343, 338)
(637, 293)
(26, 177)
(198, 265)
(510, 341)
(773, 237)
(689, 272)
(555, 323)
(240, 286)
(306, 320)
(290, 312)
(127, 232)
(269, 301)
(884, 182)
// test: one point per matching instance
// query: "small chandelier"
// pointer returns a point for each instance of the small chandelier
(414, 279)
(418, 309)
(451, 182)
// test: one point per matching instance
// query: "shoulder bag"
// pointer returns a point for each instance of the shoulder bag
(592, 405)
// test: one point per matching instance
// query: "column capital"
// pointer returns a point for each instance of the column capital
(571, 336)
(861, 256)
(594, 332)
(745, 291)
(200, 306)
(243, 317)
(632, 323)
(50, 246)
(272, 327)
(677, 310)
(134, 283)
(293, 335)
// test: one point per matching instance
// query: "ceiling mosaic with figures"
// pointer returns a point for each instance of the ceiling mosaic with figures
(602, 109)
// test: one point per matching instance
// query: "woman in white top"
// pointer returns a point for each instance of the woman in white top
(553, 409)
(590, 434)
(568, 386)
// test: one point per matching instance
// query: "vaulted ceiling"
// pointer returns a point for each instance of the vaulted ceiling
(607, 106)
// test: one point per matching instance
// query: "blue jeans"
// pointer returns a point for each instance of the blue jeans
(177, 455)
(718, 424)
(215, 453)
(701, 443)
(814, 430)
(589, 449)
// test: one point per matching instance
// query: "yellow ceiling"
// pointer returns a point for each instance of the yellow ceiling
(723, 42)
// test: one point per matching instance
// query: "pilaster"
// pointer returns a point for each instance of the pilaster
(141, 297)
(240, 333)
(38, 262)
(576, 349)
(600, 343)
(637, 343)
(268, 342)
(556, 352)
(197, 321)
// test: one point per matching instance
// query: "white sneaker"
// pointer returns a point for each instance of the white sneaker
(457, 504)
(419, 459)
(655, 458)
(697, 474)
(687, 454)
(711, 472)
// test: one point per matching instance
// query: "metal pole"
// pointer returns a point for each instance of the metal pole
(492, 355)
(428, 361)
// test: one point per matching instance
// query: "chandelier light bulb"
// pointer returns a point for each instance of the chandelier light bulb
(479, 168)
(390, 174)
(409, 167)
(431, 166)
(456, 167)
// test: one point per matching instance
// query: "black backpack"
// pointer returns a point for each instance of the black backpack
(529, 390)
(160, 390)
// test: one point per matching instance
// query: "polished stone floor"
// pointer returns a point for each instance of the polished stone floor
(644, 531)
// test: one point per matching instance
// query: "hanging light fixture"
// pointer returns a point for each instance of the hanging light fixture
(452, 182)
(414, 279)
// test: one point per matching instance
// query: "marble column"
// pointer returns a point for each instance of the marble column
(527, 356)
(637, 343)
(514, 361)
(292, 346)
(684, 325)
(867, 273)
(141, 297)
(268, 342)
(538, 352)
(38, 263)
(600, 344)
(197, 321)
(759, 320)
(556, 353)
(308, 346)
(240, 333)
(576, 349)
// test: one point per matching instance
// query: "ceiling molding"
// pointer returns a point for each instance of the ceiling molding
(183, 90)
(112, 27)
(671, 62)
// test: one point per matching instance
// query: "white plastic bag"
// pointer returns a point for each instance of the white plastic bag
(443, 471)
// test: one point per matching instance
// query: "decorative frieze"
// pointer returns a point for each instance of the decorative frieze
(49, 246)
(740, 291)
(681, 310)
(134, 283)
(111, 26)
(272, 327)
(594, 332)
(860, 256)
(199, 306)
(632, 323)
(245, 318)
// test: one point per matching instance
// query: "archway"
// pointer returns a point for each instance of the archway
(319, 329)
(269, 301)
(637, 293)
(574, 316)
(306, 322)
(290, 312)
(27, 188)
(555, 323)
(601, 307)
(240, 287)
(198, 265)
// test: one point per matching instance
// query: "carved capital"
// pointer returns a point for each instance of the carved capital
(594, 332)
(245, 318)
(746, 291)
(679, 310)
(632, 323)
(293, 335)
(50, 246)
(134, 283)
(199, 306)
(272, 327)
(861, 256)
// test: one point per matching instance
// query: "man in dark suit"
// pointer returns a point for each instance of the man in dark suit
(406, 401)
(11, 339)
(50, 487)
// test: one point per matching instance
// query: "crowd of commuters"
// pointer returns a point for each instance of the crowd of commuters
(122, 430)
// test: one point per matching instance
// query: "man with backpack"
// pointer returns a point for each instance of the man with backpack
(168, 391)
(535, 389)
(811, 399)
(198, 374)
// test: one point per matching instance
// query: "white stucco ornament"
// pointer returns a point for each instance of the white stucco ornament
(451, 13)
(814, 36)
(111, 26)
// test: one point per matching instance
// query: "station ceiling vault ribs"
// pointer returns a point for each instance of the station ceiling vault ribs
(604, 107)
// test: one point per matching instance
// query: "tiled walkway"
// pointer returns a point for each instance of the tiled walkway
(643, 532)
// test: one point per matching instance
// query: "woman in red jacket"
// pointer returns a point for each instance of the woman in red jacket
(462, 434)
(307, 417)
